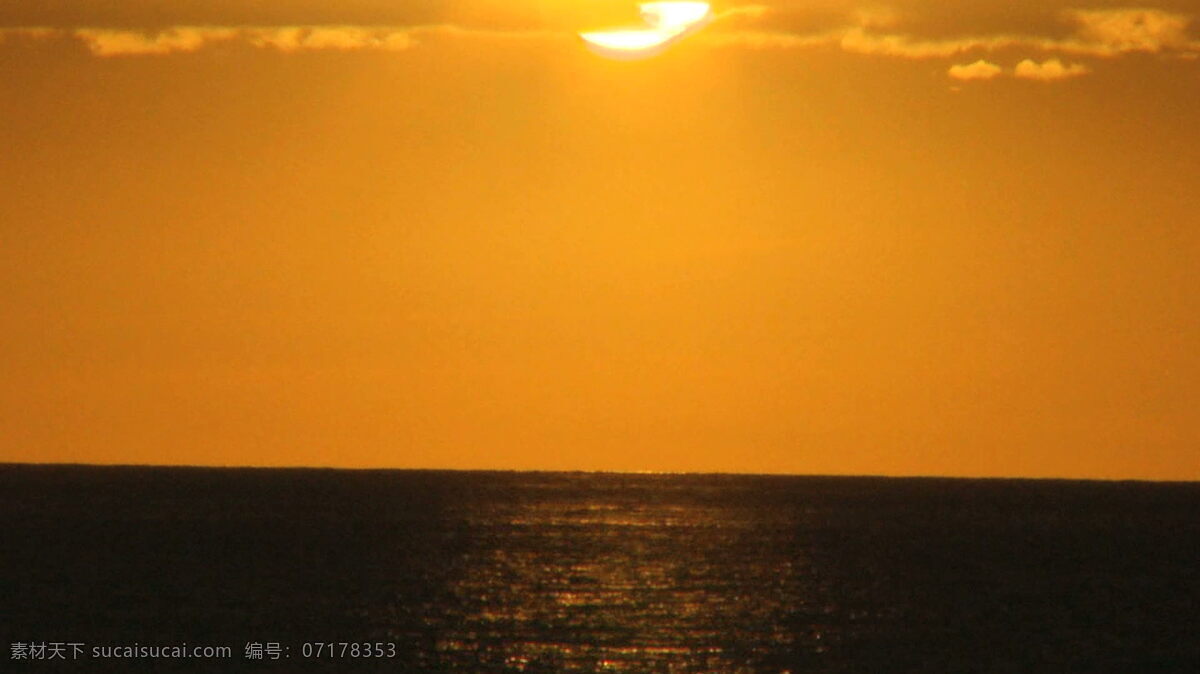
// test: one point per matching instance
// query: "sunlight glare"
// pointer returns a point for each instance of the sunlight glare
(628, 40)
(668, 22)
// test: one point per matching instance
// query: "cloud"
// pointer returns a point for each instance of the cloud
(28, 32)
(341, 38)
(750, 11)
(752, 39)
(1130, 30)
(860, 41)
(1049, 71)
(106, 42)
(1096, 33)
(979, 70)
(860, 37)
(449, 30)
(110, 42)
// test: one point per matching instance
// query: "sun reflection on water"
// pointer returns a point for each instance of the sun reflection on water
(618, 586)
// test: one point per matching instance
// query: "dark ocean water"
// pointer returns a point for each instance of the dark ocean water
(546, 572)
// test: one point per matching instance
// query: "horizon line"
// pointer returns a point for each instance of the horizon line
(196, 466)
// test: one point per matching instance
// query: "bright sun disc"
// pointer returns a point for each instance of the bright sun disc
(668, 21)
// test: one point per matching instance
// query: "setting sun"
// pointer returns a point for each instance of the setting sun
(668, 21)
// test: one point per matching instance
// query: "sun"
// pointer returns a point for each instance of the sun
(668, 22)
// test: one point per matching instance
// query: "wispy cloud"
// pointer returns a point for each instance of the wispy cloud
(1049, 71)
(862, 41)
(343, 38)
(979, 70)
(1102, 33)
(106, 42)
(753, 39)
(109, 42)
(28, 32)
(1131, 30)
(750, 11)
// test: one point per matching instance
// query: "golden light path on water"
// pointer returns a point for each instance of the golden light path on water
(609, 581)
(668, 22)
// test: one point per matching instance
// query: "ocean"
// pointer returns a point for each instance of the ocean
(152, 569)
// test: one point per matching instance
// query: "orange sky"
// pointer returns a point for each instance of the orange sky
(951, 238)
